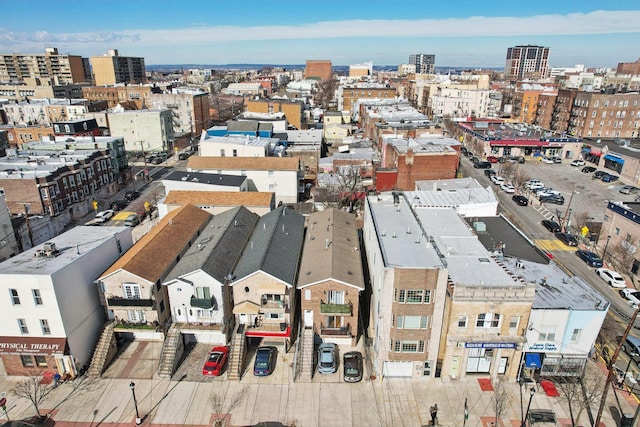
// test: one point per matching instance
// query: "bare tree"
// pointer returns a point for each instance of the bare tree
(508, 170)
(500, 400)
(325, 92)
(581, 219)
(520, 178)
(34, 390)
(582, 393)
(222, 406)
(622, 254)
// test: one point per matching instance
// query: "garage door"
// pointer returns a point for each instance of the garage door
(398, 369)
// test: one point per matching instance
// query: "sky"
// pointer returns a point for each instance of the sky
(217, 32)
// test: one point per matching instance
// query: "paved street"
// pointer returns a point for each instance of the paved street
(326, 401)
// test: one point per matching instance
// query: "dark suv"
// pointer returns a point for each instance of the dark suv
(482, 165)
(131, 195)
(556, 199)
(521, 200)
(552, 226)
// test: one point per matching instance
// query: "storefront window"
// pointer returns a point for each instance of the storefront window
(27, 361)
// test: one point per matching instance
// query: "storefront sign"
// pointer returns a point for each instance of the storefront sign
(33, 346)
(544, 347)
(490, 345)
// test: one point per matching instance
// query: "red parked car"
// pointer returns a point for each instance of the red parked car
(215, 361)
(492, 159)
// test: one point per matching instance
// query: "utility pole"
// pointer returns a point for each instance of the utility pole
(610, 365)
(566, 214)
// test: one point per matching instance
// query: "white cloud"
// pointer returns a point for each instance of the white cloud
(597, 22)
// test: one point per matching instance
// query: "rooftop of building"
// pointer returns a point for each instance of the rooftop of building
(497, 130)
(554, 288)
(219, 198)
(428, 144)
(206, 178)
(248, 140)
(39, 163)
(451, 193)
(402, 242)
(70, 246)
(469, 262)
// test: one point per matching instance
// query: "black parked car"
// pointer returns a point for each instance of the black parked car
(590, 258)
(556, 199)
(482, 165)
(265, 361)
(567, 238)
(552, 226)
(609, 178)
(599, 174)
(352, 365)
(118, 205)
(521, 200)
(587, 169)
(131, 195)
(474, 159)
(489, 172)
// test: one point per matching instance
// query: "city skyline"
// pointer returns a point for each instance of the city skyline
(459, 34)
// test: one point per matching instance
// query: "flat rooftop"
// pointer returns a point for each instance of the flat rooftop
(554, 288)
(423, 144)
(206, 178)
(451, 193)
(401, 239)
(72, 245)
(39, 163)
(252, 141)
(468, 261)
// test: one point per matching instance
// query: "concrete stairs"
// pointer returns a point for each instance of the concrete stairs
(306, 355)
(169, 351)
(104, 351)
(237, 356)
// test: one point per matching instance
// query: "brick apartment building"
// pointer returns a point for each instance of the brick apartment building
(604, 115)
(292, 110)
(318, 68)
(114, 95)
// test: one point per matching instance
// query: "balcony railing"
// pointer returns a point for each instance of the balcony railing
(340, 331)
(129, 302)
(336, 308)
(204, 303)
(273, 305)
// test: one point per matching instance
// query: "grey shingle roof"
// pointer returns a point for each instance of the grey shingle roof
(275, 246)
(219, 246)
(243, 126)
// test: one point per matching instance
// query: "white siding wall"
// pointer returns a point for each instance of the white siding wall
(180, 294)
(214, 149)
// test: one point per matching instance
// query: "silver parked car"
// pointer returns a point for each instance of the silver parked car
(327, 358)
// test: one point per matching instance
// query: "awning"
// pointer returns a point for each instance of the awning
(532, 360)
(595, 153)
(586, 149)
(246, 307)
(517, 143)
(614, 159)
(286, 333)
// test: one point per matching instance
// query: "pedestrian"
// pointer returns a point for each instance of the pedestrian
(434, 414)
(56, 379)
(255, 322)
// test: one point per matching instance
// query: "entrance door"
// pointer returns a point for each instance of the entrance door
(455, 367)
(308, 318)
(502, 365)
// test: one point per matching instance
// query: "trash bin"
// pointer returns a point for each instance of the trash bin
(627, 420)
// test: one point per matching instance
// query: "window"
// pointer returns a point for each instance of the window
(136, 316)
(222, 152)
(235, 153)
(22, 324)
(307, 294)
(462, 321)
(203, 292)
(412, 322)
(408, 346)
(27, 361)
(44, 325)
(275, 316)
(131, 290)
(41, 361)
(15, 299)
(272, 188)
(37, 298)
(270, 173)
(488, 320)
(575, 336)
(513, 323)
(547, 333)
(335, 297)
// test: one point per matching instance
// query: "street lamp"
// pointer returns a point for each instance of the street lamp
(135, 402)
(532, 391)
(604, 252)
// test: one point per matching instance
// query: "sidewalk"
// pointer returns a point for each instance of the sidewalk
(382, 402)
